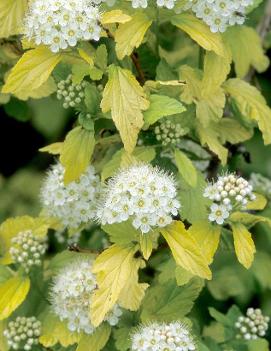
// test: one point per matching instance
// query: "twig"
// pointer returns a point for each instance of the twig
(76, 248)
(134, 58)
(262, 29)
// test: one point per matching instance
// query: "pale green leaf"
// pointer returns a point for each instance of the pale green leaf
(12, 13)
(126, 99)
(114, 16)
(185, 250)
(162, 106)
(121, 233)
(76, 153)
(186, 168)
(95, 341)
(130, 35)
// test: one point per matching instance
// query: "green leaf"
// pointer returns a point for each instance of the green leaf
(170, 302)
(12, 13)
(200, 32)
(186, 168)
(3, 340)
(31, 71)
(5, 273)
(162, 106)
(92, 99)
(243, 244)
(130, 35)
(246, 47)
(220, 317)
(95, 73)
(12, 293)
(251, 104)
(121, 233)
(95, 341)
(126, 99)
(185, 250)
(101, 57)
(249, 219)
(116, 268)
(258, 345)
(207, 237)
(76, 153)
(261, 268)
(193, 204)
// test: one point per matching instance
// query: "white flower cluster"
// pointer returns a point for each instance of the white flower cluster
(169, 133)
(174, 336)
(60, 24)
(74, 203)
(230, 192)
(71, 297)
(261, 184)
(219, 14)
(23, 333)
(27, 249)
(169, 4)
(72, 94)
(143, 193)
(252, 326)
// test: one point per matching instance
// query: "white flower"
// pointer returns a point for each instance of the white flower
(74, 203)
(60, 24)
(139, 3)
(253, 326)
(23, 333)
(71, 297)
(27, 249)
(174, 336)
(143, 193)
(218, 213)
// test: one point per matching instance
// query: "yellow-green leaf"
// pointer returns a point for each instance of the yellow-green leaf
(186, 168)
(54, 149)
(258, 204)
(200, 32)
(251, 104)
(126, 99)
(31, 71)
(76, 153)
(246, 47)
(130, 35)
(46, 89)
(3, 340)
(249, 219)
(54, 331)
(243, 244)
(95, 341)
(114, 16)
(207, 236)
(185, 250)
(12, 293)
(114, 269)
(12, 13)
(146, 245)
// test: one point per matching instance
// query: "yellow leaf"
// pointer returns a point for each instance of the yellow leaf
(216, 69)
(46, 89)
(186, 168)
(114, 16)
(54, 331)
(133, 292)
(243, 244)
(185, 250)
(130, 35)
(76, 153)
(12, 226)
(258, 204)
(146, 245)
(126, 99)
(251, 104)
(246, 47)
(54, 149)
(31, 71)
(12, 293)
(207, 236)
(12, 13)
(200, 32)
(114, 270)
(95, 341)
(85, 56)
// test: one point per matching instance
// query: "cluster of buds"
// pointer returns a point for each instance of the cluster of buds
(229, 192)
(23, 333)
(27, 249)
(169, 133)
(72, 94)
(252, 326)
